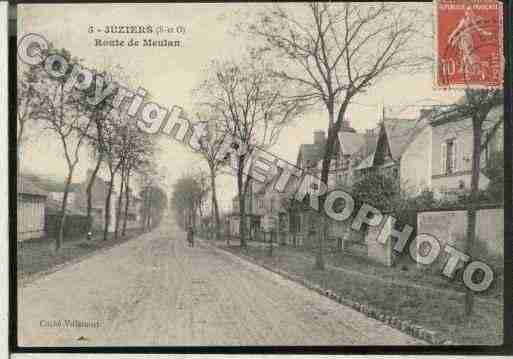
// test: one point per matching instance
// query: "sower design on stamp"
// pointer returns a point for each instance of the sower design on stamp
(468, 43)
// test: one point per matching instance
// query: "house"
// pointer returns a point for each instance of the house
(76, 223)
(54, 189)
(99, 191)
(438, 154)
(58, 194)
(354, 148)
(133, 213)
(253, 219)
(30, 210)
(349, 150)
(392, 137)
(272, 212)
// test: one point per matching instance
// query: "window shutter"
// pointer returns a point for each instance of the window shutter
(461, 163)
(456, 156)
(443, 162)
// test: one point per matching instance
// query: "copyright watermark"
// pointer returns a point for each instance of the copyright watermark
(260, 165)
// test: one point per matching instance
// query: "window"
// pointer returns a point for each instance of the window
(295, 222)
(346, 163)
(313, 223)
(449, 156)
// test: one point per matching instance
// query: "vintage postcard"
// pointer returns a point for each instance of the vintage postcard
(259, 175)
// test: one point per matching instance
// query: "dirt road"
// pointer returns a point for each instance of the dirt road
(155, 290)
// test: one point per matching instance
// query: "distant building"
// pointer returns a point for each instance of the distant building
(270, 209)
(253, 218)
(133, 215)
(77, 201)
(349, 151)
(99, 193)
(438, 155)
(386, 158)
(30, 210)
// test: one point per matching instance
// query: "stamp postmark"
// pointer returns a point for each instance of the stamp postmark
(468, 44)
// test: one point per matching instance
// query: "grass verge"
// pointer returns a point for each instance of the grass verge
(38, 256)
(442, 311)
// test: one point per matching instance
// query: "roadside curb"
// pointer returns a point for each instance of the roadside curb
(405, 326)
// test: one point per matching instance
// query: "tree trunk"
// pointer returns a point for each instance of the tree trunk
(118, 206)
(472, 207)
(242, 205)
(144, 209)
(89, 191)
(127, 201)
(333, 129)
(215, 205)
(192, 216)
(59, 239)
(148, 218)
(107, 208)
(19, 146)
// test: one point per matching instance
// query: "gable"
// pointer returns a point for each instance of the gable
(350, 142)
(397, 132)
(382, 153)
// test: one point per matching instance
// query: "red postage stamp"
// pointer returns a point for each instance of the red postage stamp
(468, 44)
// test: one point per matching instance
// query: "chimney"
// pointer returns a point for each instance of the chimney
(319, 137)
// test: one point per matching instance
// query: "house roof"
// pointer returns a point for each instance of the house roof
(367, 162)
(54, 207)
(26, 186)
(351, 142)
(398, 132)
(311, 151)
(437, 116)
(48, 184)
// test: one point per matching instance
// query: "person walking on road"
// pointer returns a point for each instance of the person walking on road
(190, 236)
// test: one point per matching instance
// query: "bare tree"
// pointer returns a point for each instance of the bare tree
(114, 131)
(147, 178)
(29, 102)
(138, 150)
(189, 192)
(63, 114)
(98, 115)
(331, 53)
(251, 110)
(476, 105)
(210, 147)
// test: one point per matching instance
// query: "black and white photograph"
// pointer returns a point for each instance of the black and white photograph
(234, 175)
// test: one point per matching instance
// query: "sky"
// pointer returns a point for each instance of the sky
(169, 75)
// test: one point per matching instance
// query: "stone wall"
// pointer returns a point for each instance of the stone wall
(449, 227)
(379, 253)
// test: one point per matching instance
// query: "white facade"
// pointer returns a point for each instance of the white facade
(30, 217)
(439, 157)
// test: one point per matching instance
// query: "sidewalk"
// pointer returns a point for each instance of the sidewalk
(437, 308)
(37, 257)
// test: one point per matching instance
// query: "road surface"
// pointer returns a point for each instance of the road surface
(155, 290)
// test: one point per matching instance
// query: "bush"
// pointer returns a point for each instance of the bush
(378, 190)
